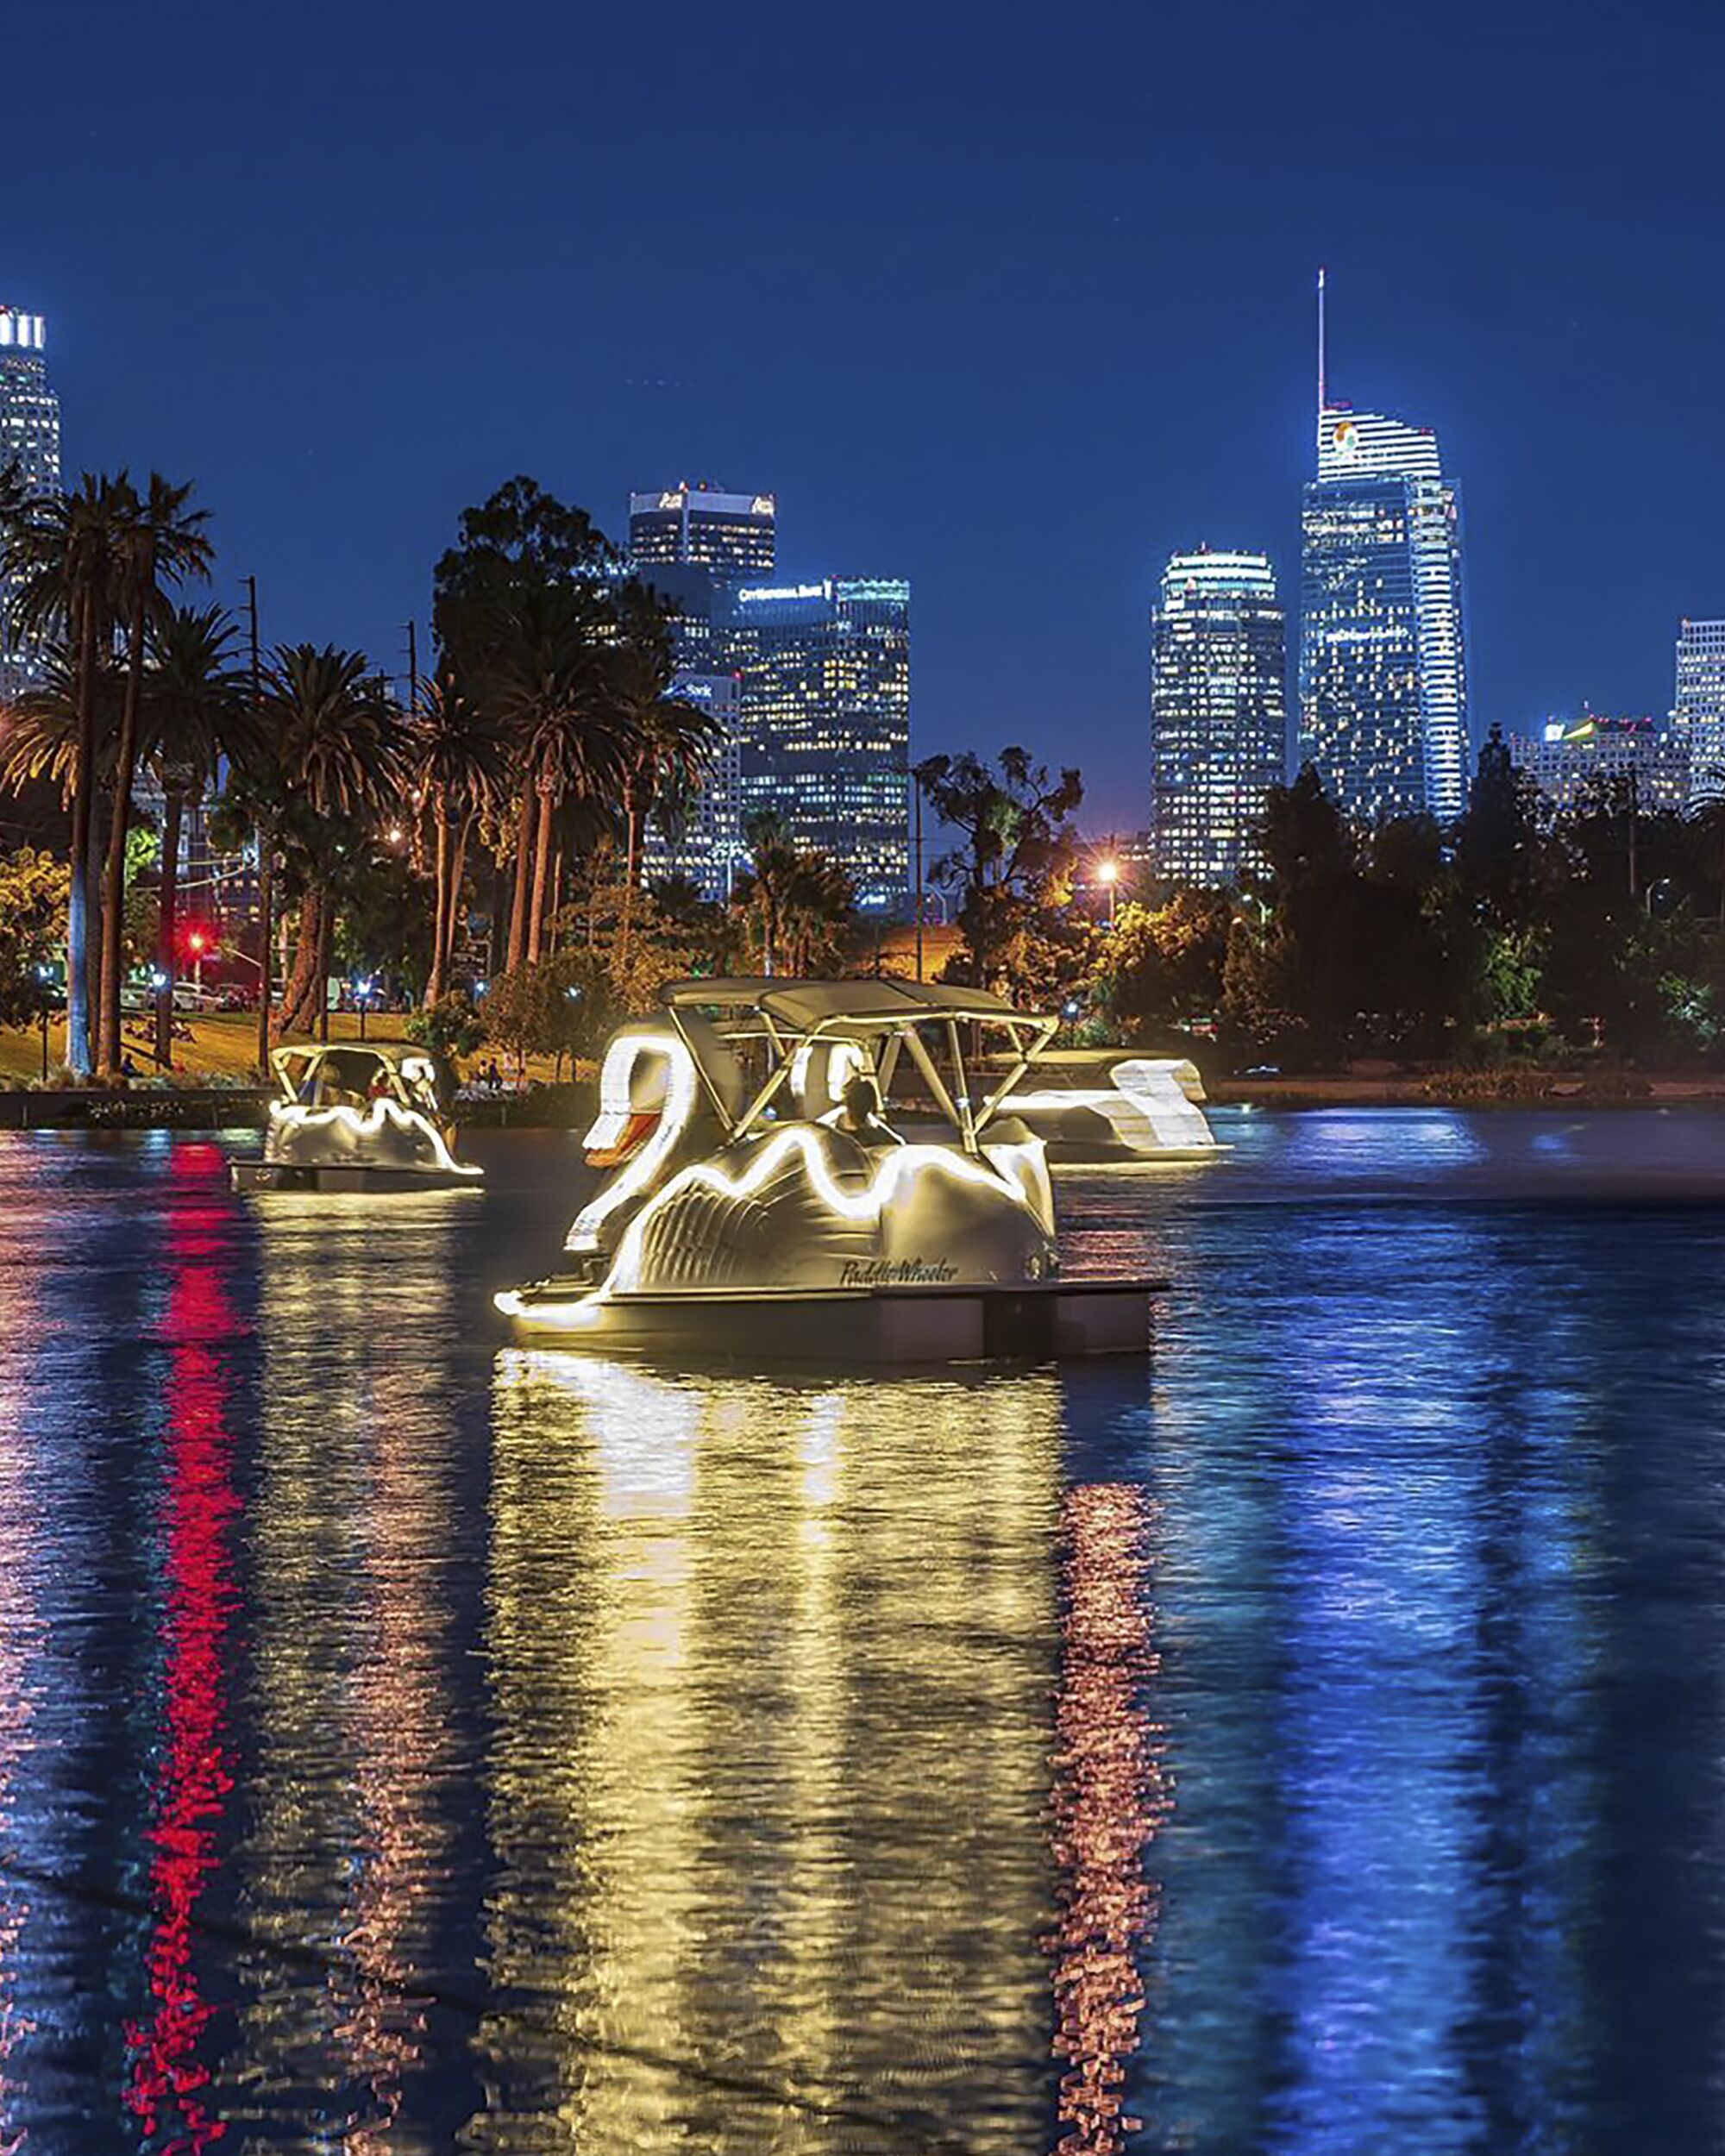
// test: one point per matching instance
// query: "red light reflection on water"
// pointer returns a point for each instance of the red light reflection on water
(1110, 1797)
(167, 2077)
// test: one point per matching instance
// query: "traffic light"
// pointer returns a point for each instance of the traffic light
(197, 941)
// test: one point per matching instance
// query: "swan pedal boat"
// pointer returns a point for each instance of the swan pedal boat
(1110, 1108)
(763, 1203)
(357, 1116)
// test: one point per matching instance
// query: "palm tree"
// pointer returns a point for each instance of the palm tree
(161, 542)
(195, 710)
(339, 750)
(820, 903)
(772, 869)
(666, 741)
(62, 556)
(457, 757)
(545, 687)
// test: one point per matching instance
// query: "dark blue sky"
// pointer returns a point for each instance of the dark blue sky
(1009, 299)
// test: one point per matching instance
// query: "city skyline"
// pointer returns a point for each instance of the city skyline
(338, 413)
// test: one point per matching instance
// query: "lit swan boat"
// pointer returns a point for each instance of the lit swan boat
(358, 1115)
(762, 1203)
(1102, 1108)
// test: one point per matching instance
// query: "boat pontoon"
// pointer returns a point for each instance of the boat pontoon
(822, 1168)
(361, 1115)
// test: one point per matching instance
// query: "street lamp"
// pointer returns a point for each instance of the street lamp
(1108, 874)
(363, 991)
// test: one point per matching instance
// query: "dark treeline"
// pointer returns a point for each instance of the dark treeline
(1513, 934)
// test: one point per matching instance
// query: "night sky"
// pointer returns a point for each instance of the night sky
(1011, 300)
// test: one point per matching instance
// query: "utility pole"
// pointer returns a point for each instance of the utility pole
(916, 813)
(265, 843)
(413, 669)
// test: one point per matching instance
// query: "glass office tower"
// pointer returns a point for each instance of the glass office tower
(1698, 715)
(825, 724)
(29, 437)
(1218, 714)
(731, 535)
(1382, 671)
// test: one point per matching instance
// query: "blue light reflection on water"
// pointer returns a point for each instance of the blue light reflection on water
(1314, 1745)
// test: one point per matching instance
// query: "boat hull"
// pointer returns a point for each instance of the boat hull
(1033, 1323)
(262, 1175)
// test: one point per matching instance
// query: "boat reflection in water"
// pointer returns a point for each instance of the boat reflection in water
(361, 1779)
(773, 1676)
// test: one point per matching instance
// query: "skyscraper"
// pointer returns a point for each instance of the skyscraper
(825, 725)
(704, 846)
(731, 535)
(1382, 671)
(1218, 713)
(1573, 762)
(1698, 715)
(30, 436)
(811, 679)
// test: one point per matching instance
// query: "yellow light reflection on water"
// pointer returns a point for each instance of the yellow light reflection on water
(773, 1668)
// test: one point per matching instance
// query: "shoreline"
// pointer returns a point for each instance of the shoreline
(1473, 1089)
(245, 1108)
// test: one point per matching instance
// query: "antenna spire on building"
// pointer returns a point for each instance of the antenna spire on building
(1323, 394)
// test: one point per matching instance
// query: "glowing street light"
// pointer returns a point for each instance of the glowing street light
(1107, 872)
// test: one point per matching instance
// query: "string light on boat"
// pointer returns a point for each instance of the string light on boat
(616, 1110)
(370, 1124)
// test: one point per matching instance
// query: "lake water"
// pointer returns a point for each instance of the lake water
(1313, 1740)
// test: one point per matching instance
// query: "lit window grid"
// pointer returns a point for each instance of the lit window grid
(1383, 677)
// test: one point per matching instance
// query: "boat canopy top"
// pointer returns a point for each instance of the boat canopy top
(795, 1014)
(810, 1007)
(403, 1068)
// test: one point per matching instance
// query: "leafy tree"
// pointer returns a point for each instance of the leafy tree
(34, 892)
(1012, 869)
(1498, 848)
(1162, 966)
(453, 1026)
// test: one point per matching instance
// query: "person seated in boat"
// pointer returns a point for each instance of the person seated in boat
(860, 1112)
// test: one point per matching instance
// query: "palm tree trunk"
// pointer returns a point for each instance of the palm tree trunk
(326, 938)
(299, 1000)
(94, 857)
(114, 883)
(266, 936)
(458, 869)
(167, 908)
(523, 850)
(555, 910)
(628, 850)
(83, 807)
(542, 870)
(439, 877)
